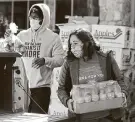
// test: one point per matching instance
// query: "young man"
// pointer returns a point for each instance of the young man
(44, 52)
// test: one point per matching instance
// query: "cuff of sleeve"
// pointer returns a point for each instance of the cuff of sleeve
(47, 62)
(67, 101)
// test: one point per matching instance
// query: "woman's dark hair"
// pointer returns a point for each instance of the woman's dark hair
(37, 11)
(89, 45)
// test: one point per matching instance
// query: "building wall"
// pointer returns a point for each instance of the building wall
(110, 12)
(51, 4)
(17, 11)
(115, 12)
(93, 7)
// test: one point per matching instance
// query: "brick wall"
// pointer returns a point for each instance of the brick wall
(111, 12)
(51, 4)
(115, 12)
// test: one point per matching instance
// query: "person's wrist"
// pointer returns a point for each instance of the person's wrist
(124, 94)
(43, 60)
(68, 102)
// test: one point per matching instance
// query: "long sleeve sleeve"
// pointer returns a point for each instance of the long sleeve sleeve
(64, 87)
(57, 55)
(118, 76)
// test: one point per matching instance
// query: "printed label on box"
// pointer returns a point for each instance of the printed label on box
(113, 36)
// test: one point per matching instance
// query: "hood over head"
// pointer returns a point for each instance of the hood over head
(46, 15)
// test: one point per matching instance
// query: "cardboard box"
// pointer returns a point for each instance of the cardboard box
(112, 36)
(54, 85)
(132, 60)
(88, 19)
(98, 106)
(66, 29)
(56, 108)
(99, 96)
(132, 37)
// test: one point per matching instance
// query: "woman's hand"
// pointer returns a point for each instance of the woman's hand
(70, 105)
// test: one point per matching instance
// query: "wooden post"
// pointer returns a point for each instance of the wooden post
(132, 20)
(44, 1)
(12, 11)
(72, 7)
(54, 15)
(28, 6)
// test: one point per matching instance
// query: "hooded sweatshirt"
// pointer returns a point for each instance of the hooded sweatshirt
(42, 43)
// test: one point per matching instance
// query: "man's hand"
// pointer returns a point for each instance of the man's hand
(70, 105)
(38, 62)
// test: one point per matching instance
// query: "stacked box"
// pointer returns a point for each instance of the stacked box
(66, 29)
(56, 108)
(132, 37)
(112, 36)
(119, 39)
(55, 78)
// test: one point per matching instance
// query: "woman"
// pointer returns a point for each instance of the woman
(84, 58)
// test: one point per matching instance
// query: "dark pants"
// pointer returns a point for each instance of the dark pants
(42, 98)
